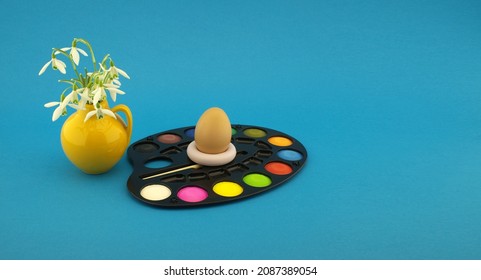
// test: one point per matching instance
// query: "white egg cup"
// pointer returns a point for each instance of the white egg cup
(211, 159)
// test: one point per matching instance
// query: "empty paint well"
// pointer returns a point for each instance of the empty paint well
(169, 138)
(155, 192)
(257, 180)
(192, 194)
(278, 168)
(255, 132)
(280, 141)
(228, 189)
(290, 155)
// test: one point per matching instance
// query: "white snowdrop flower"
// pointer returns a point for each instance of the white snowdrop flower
(99, 94)
(84, 98)
(100, 114)
(74, 52)
(114, 90)
(61, 106)
(56, 64)
(116, 71)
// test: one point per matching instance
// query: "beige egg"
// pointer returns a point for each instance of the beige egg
(213, 131)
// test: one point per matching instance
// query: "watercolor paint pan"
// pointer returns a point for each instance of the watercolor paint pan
(163, 175)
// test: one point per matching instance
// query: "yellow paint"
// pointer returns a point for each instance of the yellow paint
(228, 189)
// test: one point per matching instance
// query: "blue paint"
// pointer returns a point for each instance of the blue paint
(190, 132)
(290, 155)
(158, 163)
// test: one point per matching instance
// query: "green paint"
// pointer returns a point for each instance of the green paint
(255, 133)
(257, 180)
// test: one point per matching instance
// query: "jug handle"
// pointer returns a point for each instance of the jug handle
(124, 109)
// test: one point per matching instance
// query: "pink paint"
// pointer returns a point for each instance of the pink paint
(192, 194)
(169, 138)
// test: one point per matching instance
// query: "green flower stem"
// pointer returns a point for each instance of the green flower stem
(105, 59)
(66, 81)
(62, 96)
(85, 42)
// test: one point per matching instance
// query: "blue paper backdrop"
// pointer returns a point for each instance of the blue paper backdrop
(385, 95)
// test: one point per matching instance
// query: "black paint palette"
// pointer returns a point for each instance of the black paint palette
(164, 175)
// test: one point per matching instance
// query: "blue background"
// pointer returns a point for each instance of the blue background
(385, 95)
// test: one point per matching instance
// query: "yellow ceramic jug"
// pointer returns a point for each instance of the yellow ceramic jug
(96, 145)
